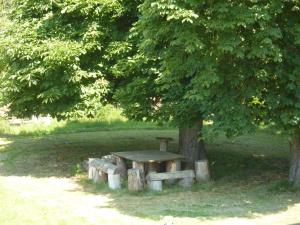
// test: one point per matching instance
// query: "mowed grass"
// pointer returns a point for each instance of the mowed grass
(109, 118)
(41, 175)
(24, 208)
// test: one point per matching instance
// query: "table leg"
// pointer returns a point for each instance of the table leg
(136, 179)
(141, 167)
(138, 165)
(172, 166)
(153, 167)
(121, 164)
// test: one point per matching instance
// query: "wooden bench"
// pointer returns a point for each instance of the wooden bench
(103, 171)
(155, 180)
(108, 169)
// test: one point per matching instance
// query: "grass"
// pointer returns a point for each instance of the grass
(40, 175)
(108, 119)
(25, 209)
(75, 126)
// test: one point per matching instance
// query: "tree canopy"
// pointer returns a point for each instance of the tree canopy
(58, 57)
(211, 58)
(234, 63)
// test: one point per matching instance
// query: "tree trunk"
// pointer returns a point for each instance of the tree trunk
(294, 176)
(190, 144)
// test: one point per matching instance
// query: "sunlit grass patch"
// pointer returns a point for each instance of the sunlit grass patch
(109, 118)
(4, 142)
(249, 176)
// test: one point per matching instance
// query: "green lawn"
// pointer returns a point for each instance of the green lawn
(41, 181)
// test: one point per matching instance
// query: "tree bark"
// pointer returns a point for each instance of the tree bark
(136, 179)
(294, 176)
(190, 143)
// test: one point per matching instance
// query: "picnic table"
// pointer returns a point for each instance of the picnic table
(146, 169)
(148, 156)
(142, 158)
(148, 161)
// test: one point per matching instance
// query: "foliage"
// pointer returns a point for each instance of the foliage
(234, 62)
(58, 57)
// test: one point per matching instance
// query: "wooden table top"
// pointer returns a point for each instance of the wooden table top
(148, 156)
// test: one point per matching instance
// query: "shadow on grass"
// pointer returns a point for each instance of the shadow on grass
(246, 181)
(247, 187)
(248, 175)
(60, 155)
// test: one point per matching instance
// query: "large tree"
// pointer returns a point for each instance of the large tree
(281, 92)
(255, 53)
(235, 63)
(186, 70)
(57, 57)
(185, 47)
(162, 73)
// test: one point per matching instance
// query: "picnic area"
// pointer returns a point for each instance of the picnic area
(159, 112)
(42, 175)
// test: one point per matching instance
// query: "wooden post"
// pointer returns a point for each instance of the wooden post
(114, 180)
(163, 143)
(202, 171)
(138, 165)
(90, 171)
(122, 168)
(136, 179)
(155, 185)
(93, 172)
(153, 167)
(103, 176)
(141, 167)
(172, 166)
(186, 182)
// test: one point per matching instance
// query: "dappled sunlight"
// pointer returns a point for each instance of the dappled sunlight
(4, 142)
(66, 196)
(58, 155)
(41, 175)
(289, 216)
